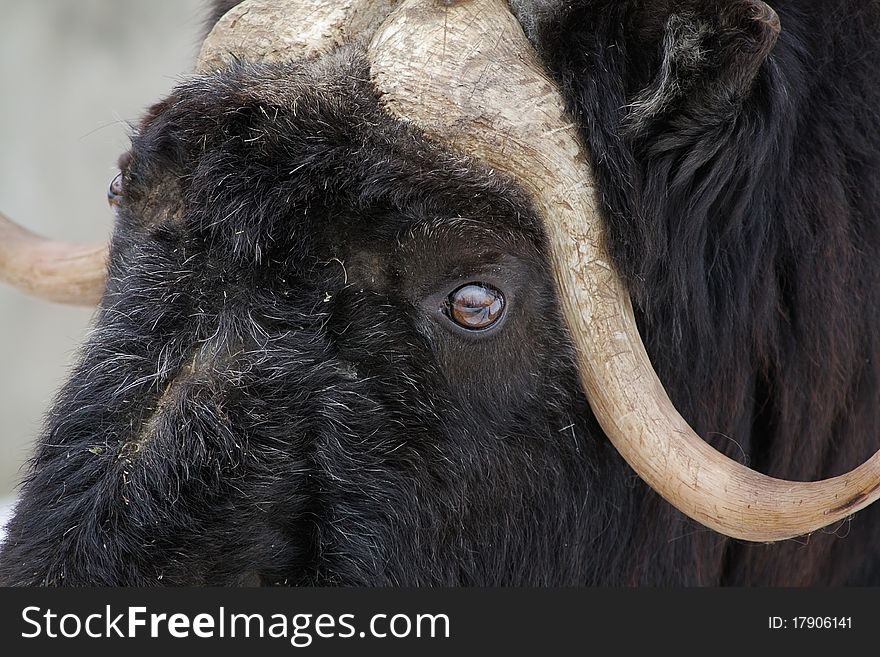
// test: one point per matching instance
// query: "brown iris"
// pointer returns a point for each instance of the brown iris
(475, 306)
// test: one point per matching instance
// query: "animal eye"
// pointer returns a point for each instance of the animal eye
(115, 191)
(475, 306)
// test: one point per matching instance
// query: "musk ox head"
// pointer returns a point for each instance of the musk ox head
(355, 296)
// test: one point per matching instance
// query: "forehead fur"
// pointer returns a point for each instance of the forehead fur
(259, 154)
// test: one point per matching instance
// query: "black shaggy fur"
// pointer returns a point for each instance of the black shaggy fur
(272, 394)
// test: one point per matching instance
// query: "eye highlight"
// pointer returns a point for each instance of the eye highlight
(475, 306)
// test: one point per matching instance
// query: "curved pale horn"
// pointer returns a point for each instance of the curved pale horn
(463, 72)
(275, 30)
(55, 271)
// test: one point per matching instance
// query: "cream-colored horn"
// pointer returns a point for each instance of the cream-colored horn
(465, 74)
(55, 271)
(275, 30)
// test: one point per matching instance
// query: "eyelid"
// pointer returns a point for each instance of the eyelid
(124, 161)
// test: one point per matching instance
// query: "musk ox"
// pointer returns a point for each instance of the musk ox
(367, 312)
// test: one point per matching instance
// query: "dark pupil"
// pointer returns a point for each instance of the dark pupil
(475, 306)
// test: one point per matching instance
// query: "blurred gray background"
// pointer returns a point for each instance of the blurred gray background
(72, 74)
